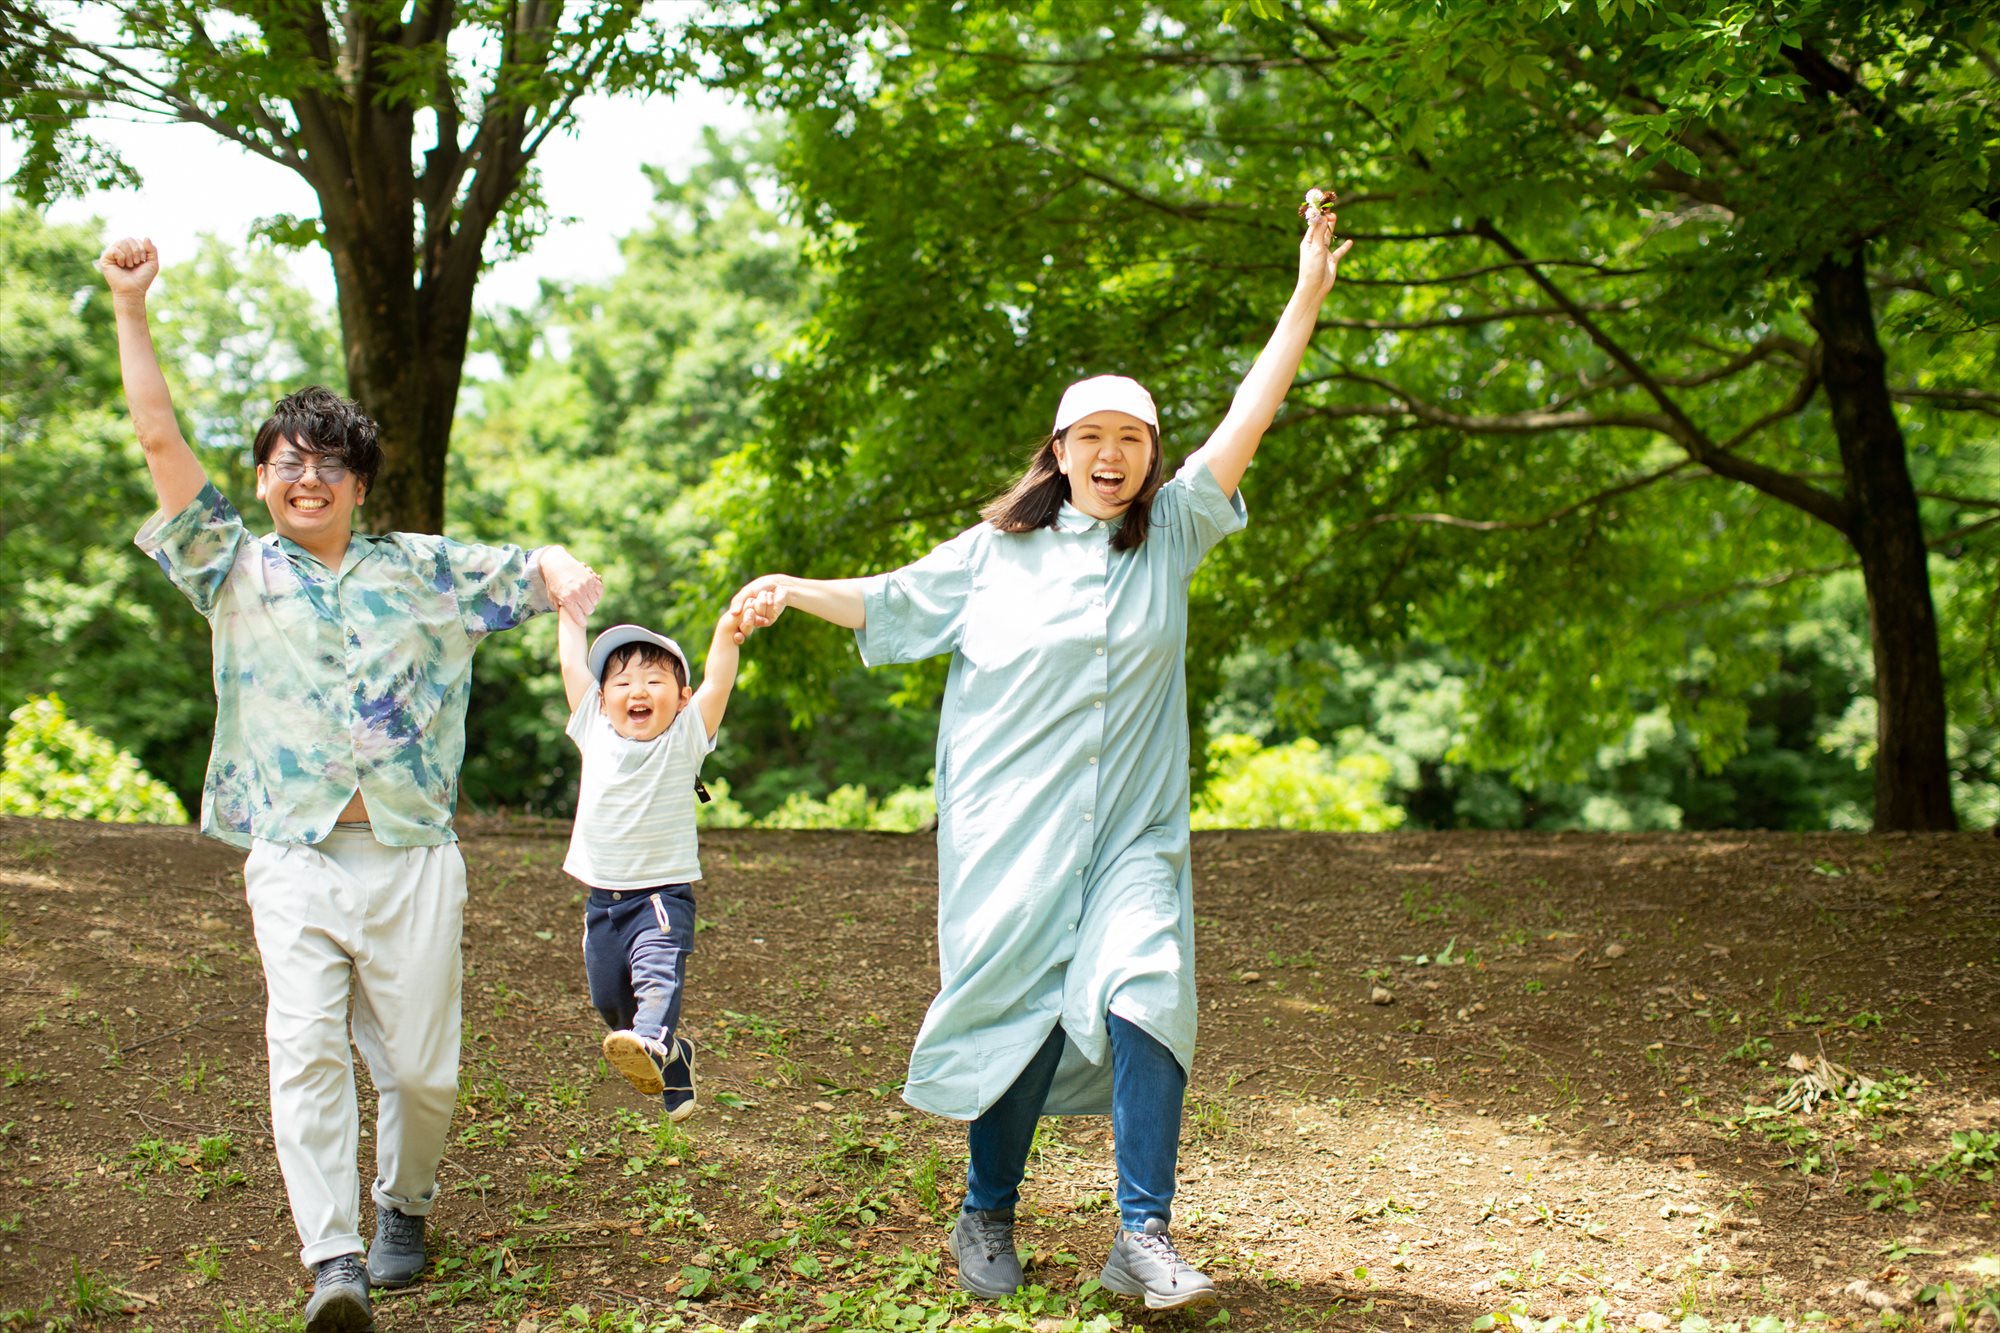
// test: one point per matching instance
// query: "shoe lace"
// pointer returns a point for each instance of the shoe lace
(994, 1235)
(1161, 1247)
(344, 1268)
(398, 1228)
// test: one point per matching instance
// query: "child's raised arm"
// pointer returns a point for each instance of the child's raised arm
(572, 650)
(718, 671)
(129, 267)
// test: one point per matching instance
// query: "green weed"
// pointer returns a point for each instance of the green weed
(205, 1263)
(91, 1295)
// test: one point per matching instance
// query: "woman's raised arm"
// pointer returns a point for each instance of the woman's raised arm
(1234, 443)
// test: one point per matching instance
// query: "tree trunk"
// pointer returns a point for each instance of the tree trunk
(406, 377)
(1912, 771)
(405, 357)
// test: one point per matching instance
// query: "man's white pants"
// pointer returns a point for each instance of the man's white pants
(350, 915)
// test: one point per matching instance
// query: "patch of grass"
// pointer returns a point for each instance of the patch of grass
(1974, 1154)
(91, 1295)
(1423, 905)
(205, 1263)
(1887, 1190)
(244, 1319)
(1449, 956)
(206, 1160)
(30, 850)
(1208, 1118)
(1753, 1048)
(924, 1181)
(486, 1273)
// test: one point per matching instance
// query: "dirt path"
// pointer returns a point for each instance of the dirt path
(1546, 1119)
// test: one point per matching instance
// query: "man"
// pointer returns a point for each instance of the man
(343, 664)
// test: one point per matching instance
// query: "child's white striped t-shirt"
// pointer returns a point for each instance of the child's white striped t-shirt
(635, 804)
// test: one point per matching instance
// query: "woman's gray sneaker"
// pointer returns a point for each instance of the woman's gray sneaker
(339, 1301)
(397, 1256)
(983, 1245)
(1145, 1263)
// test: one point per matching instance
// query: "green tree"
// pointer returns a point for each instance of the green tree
(614, 427)
(1297, 785)
(416, 125)
(82, 613)
(1604, 388)
(59, 769)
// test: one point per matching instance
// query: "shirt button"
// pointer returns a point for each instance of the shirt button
(1086, 819)
(1093, 759)
(1100, 652)
(1098, 704)
(1079, 872)
(1071, 927)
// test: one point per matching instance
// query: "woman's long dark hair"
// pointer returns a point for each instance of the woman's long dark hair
(1035, 500)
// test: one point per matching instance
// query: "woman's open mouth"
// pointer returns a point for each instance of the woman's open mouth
(1107, 482)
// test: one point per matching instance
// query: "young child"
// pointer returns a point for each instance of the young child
(643, 731)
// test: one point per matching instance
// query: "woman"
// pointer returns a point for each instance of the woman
(1065, 911)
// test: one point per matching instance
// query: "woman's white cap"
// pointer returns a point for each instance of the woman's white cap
(1105, 393)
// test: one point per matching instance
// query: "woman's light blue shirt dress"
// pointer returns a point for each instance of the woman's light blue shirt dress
(1064, 889)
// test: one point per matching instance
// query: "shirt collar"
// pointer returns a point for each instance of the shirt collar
(360, 545)
(1071, 519)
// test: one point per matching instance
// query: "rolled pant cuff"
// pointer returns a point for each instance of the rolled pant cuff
(407, 1207)
(317, 1253)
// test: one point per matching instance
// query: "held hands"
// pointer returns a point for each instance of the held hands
(573, 586)
(756, 604)
(1318, 260)
(129, 266)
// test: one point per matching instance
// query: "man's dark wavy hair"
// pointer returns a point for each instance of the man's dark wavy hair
(319, 421)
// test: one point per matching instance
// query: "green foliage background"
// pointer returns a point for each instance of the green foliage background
(810, 360)
(54, 768)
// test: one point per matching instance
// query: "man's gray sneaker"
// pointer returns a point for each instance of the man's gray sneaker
(1145, 1263)
(983, 1245)
(339, 1301)
(397, 1256)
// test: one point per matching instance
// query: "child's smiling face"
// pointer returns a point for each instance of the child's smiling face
(642, 698)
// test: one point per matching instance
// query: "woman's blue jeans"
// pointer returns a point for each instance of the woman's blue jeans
(1146, 1088)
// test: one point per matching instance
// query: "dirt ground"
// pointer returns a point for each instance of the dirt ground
(1445, 1081)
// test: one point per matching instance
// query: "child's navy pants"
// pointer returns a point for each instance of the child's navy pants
(635, 948)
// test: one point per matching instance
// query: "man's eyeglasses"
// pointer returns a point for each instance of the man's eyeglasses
(292, 468)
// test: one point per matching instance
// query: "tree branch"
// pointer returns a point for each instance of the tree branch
(1512, 423)
(1184, 212)
(1952, 400)
(1968, 501)
(1521, 525)
(1959, 534)
(1471, 320)
(120, 80)
(1791, 407)
(1454, 279)
(1759, 585)
(1829, 509)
